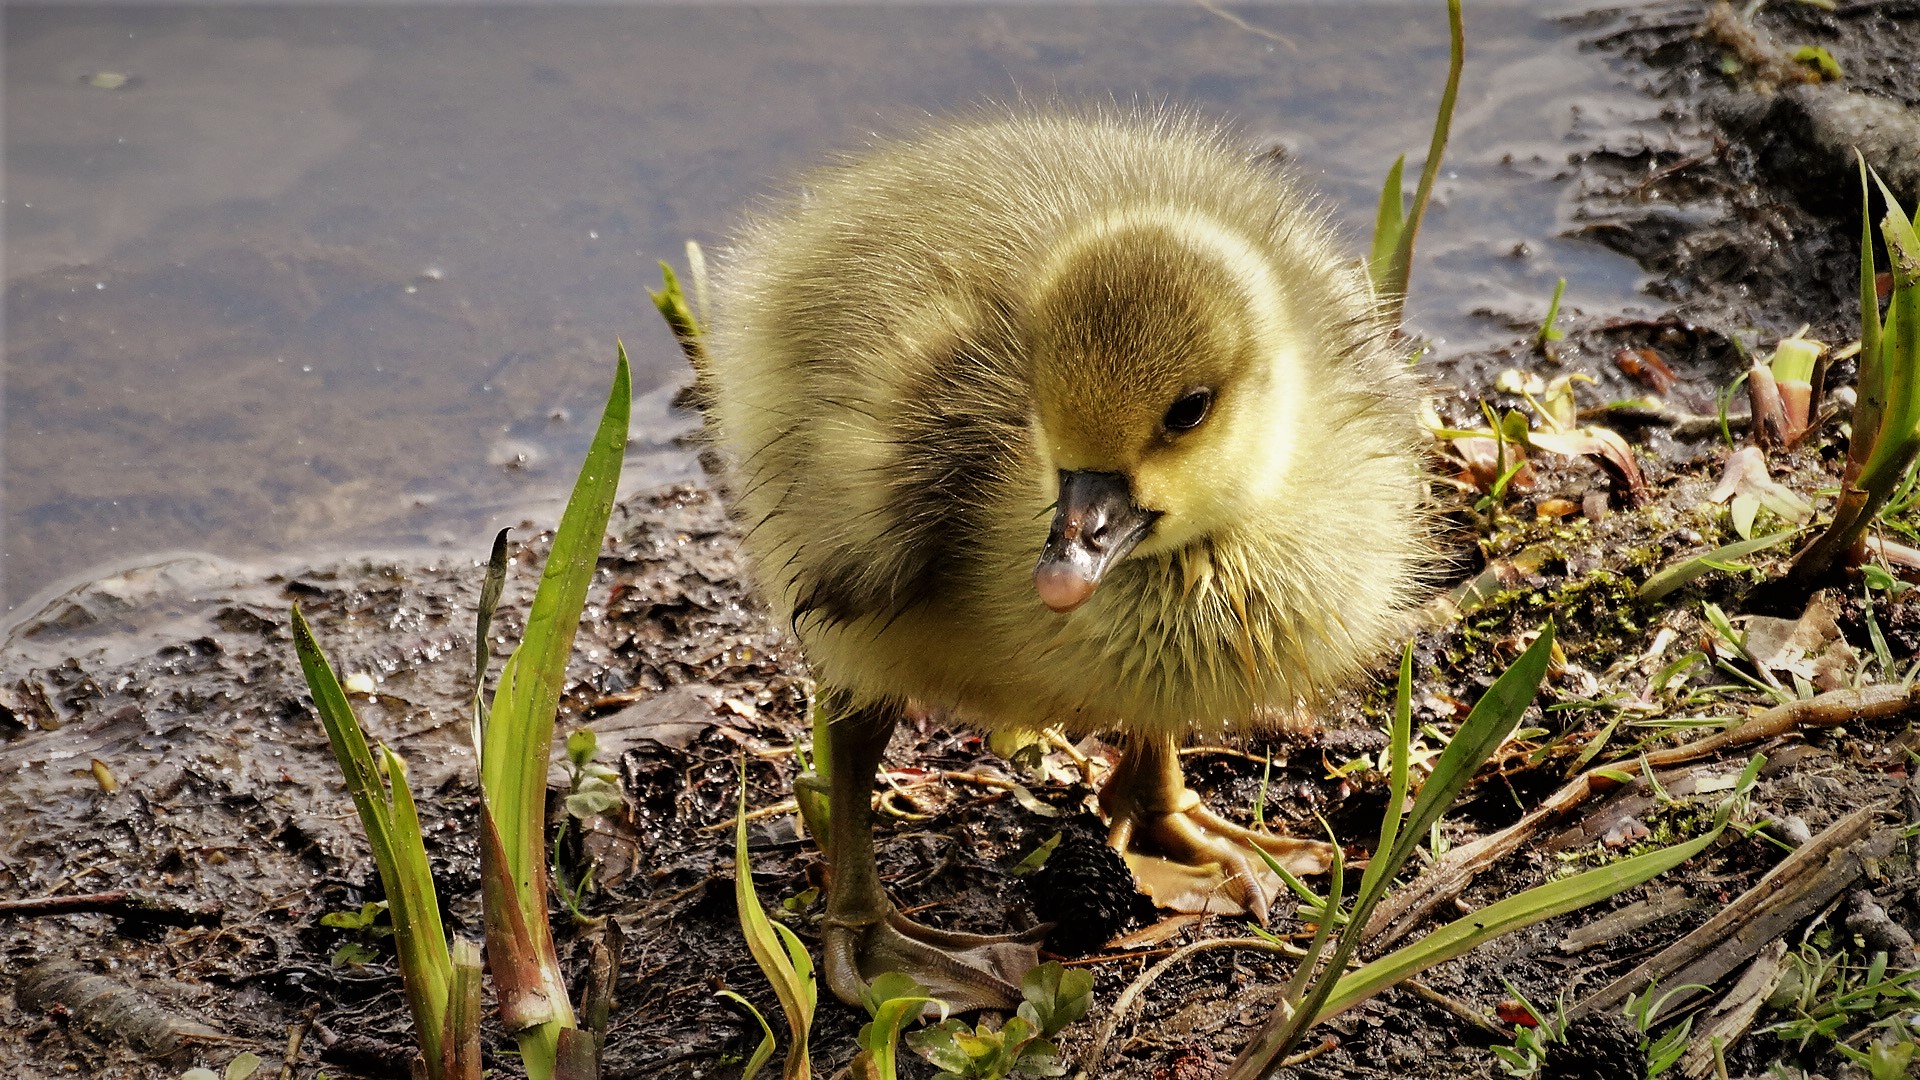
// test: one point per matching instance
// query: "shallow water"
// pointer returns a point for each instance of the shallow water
(318, 277)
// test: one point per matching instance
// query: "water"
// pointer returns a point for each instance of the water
(329, 276)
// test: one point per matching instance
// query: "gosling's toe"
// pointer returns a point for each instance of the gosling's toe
(1185, 856)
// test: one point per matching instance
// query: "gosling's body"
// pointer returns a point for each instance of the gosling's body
(1046, 419)
(875, 393)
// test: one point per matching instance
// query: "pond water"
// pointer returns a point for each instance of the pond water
(286, 278)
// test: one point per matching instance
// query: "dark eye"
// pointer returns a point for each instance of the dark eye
(1187, 413)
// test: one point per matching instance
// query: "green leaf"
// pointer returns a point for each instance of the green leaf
(780, 954)
(1400, 747)
(587, 802)
(893, 1000)
(1055, 996)
(1549, 332)
(1395, 287)
(1388, 222)
(393, 834)
(761, 1053)
(517, 744)
(1496, 714)
(1037, 857)
(1512, 913)
(1694, 566)
(1898, 347)
(1821, 60)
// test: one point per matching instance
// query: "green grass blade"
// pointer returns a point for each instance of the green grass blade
(1402, 266)
(1899, 345)
(1694, 566)
(762, 1053)
(883, 1034)
(1493, 718)
(1374, 880)
(519, 738)
(393, 834)
(1869, 362)
(1512, 913)
(1387, 223)
(518, 741)
(1548, 331)
(774, 952)
(419, 939)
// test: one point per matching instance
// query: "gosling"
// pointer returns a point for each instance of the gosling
(1048, 419)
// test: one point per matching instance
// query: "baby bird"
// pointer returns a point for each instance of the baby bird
(1042, 419)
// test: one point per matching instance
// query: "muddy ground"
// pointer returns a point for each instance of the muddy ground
(157, 736)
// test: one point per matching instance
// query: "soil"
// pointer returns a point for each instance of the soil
(158, 738)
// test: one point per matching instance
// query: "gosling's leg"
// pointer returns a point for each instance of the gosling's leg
(864, 934)
(1151, 807)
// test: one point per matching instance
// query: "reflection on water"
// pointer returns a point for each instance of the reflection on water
(319, 276)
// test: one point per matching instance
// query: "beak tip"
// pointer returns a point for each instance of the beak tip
(1062, 588)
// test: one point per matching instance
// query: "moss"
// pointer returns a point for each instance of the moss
(1594, 612)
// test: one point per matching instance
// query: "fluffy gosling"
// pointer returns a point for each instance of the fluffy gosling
(1061, 419)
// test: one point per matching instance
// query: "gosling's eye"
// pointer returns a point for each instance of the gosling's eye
(1187, 413)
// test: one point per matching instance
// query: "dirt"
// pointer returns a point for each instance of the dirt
(158, 737)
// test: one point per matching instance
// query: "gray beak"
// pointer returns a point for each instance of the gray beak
(1094, 526)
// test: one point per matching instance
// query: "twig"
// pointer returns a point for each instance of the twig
(120, 903)
(1815, 873)
(1080, 761)
(1460, 1010)
(297, 1034)
(1733, 1014)
(1096, 1057)
(1401, 911)
(785, 806)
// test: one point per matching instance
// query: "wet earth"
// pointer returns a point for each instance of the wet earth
(158, 740)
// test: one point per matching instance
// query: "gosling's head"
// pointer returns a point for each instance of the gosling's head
(1166, 384)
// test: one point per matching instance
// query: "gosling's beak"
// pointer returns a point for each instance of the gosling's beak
(1094, 527)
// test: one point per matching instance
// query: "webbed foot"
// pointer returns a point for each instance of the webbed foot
(1185, 856)
(966, 971)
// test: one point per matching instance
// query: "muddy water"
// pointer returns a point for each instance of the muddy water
(284, 278)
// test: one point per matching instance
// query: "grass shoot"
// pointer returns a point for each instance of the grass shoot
(1886, 415)
(1395, 227)
(514, 740)
(1548, 331)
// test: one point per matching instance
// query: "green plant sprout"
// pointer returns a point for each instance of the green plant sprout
(392, 825)
(1781, 390)
(368, 925)
(781, 955)
(1886, 415)
(1532, 1044)
(592, 790)
(892, 1000)
(1396, 225)
(1643, 1009)
(1055, 996)
(1823, 995)
(513, 740)
(1548, 331)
